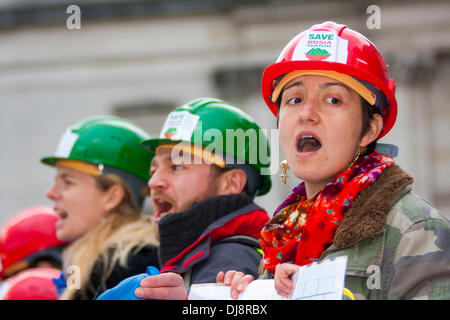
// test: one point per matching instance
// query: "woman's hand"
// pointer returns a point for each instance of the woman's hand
(283, 278)
(236, 280)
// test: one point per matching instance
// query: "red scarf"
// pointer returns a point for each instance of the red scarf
(301, 229)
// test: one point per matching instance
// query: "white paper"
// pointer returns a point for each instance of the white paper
(321, 281)
(317, 281)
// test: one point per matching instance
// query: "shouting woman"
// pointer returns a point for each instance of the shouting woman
(331, 93)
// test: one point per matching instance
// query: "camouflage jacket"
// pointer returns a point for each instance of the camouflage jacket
(398, 245)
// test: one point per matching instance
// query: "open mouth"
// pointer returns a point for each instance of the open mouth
(62, 215)
(161, 208)
(308, 143)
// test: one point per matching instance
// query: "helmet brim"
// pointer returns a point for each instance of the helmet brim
(275, 70)
(154, 143)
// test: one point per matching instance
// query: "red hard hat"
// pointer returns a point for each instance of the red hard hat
(29, 231)
(31, 284)
(334, 50)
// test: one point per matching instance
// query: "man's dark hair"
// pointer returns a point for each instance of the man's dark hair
(253, 177)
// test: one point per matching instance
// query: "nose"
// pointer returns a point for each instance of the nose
(158, 180)
(308, 111)
(52, 193)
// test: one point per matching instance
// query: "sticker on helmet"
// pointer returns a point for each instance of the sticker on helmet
(66, 144)
(179, 125)
(321, 46)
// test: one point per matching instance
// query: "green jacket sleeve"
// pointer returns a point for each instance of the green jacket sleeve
(417, 251)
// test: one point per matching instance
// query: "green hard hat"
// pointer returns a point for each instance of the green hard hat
(111, 143)
(223, 128)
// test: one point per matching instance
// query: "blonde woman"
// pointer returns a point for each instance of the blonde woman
(98, 192)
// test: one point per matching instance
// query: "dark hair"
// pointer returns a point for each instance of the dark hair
(367, 116)
(217, 171)
(253, 177)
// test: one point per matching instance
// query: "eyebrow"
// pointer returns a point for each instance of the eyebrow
(330, 84)
(323, 85)
(65, 175)
(163, 158)
(295, 84)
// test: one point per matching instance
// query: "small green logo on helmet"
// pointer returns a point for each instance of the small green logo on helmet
(317, 54)
(170, 133)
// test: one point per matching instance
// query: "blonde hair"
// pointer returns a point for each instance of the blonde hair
(123, 229)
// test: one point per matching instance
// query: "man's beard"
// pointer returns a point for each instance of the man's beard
(209, 192)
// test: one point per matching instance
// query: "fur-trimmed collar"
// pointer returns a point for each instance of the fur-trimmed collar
(367, 215)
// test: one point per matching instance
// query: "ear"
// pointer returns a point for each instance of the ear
(232, 182)
(113, 197)
(374, 130)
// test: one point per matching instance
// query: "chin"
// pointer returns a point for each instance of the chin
(311, 175)
(67, 236)
(304, 168)
(63, 237)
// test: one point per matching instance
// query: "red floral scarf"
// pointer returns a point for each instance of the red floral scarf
(301, 229)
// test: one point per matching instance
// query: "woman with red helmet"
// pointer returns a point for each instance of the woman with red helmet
(29, 240)
(31, 284)
(331, 93)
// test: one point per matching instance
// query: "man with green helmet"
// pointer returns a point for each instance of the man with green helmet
(220, 134)
(209, 164)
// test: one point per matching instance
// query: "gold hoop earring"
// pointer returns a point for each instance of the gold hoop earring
(284, 167)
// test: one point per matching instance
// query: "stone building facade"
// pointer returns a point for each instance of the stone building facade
(140, 59)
